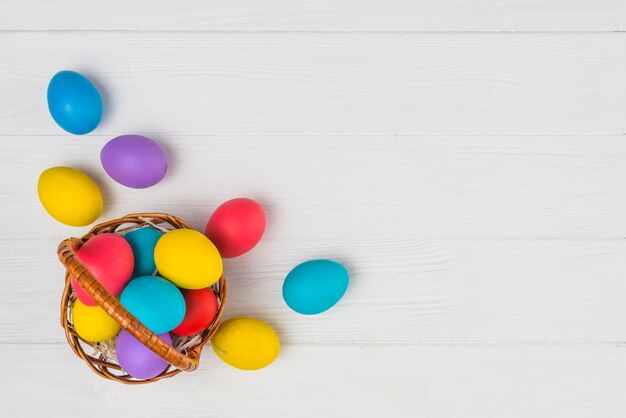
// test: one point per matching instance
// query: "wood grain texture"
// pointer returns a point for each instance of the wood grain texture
(337, 381)
(358, 188)
(325, 83)
(409, 291)
(464, 159)
(320, 15)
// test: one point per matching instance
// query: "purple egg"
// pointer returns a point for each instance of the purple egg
(134, 161)
(138, 360)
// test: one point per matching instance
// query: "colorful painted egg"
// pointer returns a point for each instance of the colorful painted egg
(246, 343)
(315, 286)
(143, 241)
(69, 196)
(109, 258)
(134, 161)
(188, 259)
(201, 310)
(138, 360)
(154, 301)
(74, 102)
(92, 323)
(236, 226)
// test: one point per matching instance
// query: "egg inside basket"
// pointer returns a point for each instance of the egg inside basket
(184, 352)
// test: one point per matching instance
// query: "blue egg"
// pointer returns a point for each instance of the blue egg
(157, 303)
(315, 286)
(143, 241)
(74, 103)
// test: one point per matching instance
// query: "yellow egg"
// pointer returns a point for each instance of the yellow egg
(69, 196)
(246, 343)
(188, 259)
(92, 323)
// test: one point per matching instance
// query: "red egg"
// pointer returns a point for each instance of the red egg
(201, 310)
(109, 258)
(236, 226)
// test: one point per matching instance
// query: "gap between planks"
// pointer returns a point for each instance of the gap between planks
(288, 31)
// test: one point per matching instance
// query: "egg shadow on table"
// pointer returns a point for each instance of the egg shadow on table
(172, 157)
(353, 272)
(197, 215)
(248, 282)
(347, 258)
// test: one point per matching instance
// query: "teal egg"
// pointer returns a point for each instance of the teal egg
(315, 286)
(143, 241)
(156, 302)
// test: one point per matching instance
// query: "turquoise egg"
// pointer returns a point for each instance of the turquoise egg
(157, 303)
(74, 102)
(143, 241)
(315, 286)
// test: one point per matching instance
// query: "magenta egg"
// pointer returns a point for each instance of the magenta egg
(134, 161)
(236, 226)
(109, 258)
(138, 360)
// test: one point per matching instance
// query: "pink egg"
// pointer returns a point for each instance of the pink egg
(110, 259)
(236, 226)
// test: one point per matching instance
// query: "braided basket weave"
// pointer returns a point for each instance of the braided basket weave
(100, 357)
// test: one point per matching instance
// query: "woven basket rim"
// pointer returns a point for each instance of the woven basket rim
(187, 360)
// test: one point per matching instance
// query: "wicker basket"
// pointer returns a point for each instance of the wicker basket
(100, 357)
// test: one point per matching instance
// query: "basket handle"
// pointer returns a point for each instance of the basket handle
(112, 306)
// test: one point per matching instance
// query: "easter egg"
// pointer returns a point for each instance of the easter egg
(69, 196)
(92, 323)
(109, 258)
(315, 286)
(74, 102)
(188, 259)
(246, 343)
(201, 310)
(138, 360)
(143, 241)
(154, 301)
(134, 161)
(236, 226)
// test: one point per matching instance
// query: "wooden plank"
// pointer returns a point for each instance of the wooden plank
(336, 381)
(320, 15)
(401, 290)
(354, 187)
(325, 83)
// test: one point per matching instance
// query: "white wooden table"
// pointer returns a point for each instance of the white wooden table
(466, 159)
